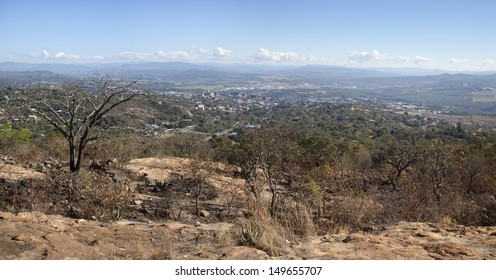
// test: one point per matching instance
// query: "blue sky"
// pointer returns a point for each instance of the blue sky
(453, 35)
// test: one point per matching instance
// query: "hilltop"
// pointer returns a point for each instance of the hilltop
(216, 234)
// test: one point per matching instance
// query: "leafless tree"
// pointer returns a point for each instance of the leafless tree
(75, 109)
(400, 155)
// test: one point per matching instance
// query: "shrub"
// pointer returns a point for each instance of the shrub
(10, 137)
(24, 195)
(103, 198)
(488, 211)
(352, 212)
(89, 194)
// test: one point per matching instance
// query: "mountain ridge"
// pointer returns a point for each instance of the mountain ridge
(80, 69)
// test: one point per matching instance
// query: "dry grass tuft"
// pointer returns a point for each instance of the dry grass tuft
(262, 232)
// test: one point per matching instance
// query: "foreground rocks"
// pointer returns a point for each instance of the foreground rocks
(11, 172)
(407, 241)
(34, 235)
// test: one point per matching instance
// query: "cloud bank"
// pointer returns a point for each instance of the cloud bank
(62, 56)
(376, 58)
(363, 56)
(356, 58)
(195, 54)
(267, 55)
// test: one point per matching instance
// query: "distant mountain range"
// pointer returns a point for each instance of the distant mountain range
(210, 72)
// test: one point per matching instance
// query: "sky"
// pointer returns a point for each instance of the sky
(452, 35)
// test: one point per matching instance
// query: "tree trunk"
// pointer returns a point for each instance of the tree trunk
(79, 157)
(72, 156)
(273, 200)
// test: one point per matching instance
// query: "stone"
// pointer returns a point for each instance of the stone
(244, 253)
(204, 213)
(347, 239)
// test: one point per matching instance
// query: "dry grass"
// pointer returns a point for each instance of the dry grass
(102, 197)
(296, 218)
(262, 232)
(224, 238)
(349, 213)
(163, 249)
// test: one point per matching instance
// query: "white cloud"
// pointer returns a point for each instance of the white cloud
(267, 55)
(96, 57)
(195, 53)
(486, 62)
(363, 56)
(422, 60)
(216, 53)
(221, 52)
(200, 52)
(64, 56)
(45, 55)
(134, 55)
(376, 58)
(402, 58)
(486, 65)
(311, 59)
(174, 55)
(454, 61)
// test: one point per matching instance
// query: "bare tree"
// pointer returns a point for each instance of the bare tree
(400, 155)
(75, 109)
(438, 166)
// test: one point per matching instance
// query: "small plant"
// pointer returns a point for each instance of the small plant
(104, 199)
(264, 233)
(252, 232)
(11, 209)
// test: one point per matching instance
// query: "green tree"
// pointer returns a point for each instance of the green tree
(10, 137)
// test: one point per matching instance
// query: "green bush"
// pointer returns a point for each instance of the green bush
(10, 137)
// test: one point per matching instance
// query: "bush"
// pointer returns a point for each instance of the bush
(89, 195)
(103, 198)
(25, 195)
(488, 210)
(351, 212)
(10, 138)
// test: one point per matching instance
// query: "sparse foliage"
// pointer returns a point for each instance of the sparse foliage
(75, 110)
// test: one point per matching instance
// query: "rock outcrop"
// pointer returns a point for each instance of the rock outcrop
(34, 235)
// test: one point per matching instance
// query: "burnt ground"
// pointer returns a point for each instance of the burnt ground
(159, 221)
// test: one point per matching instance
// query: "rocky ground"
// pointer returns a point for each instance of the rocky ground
(34, 235)
(214, 235)
(14, 172)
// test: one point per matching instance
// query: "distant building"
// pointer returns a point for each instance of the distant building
(253, 125)
(33, 118)
(209, 94)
